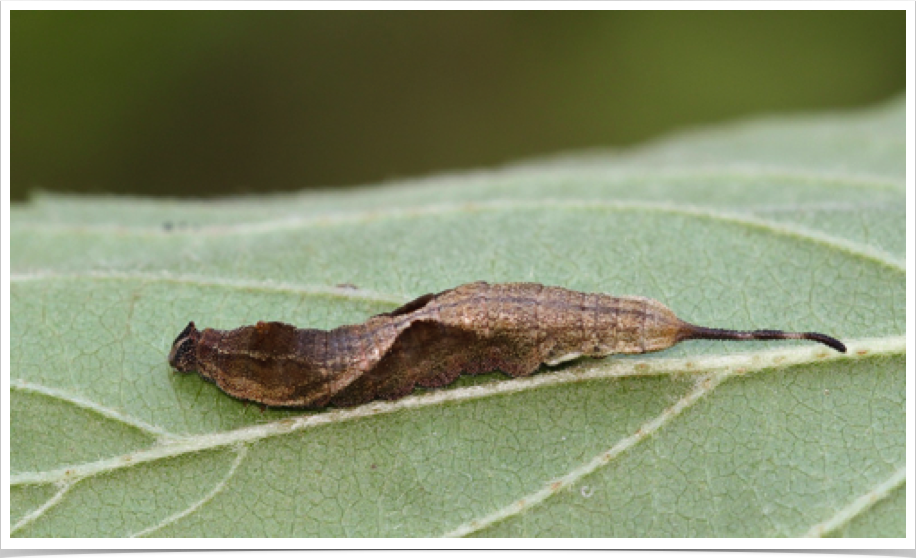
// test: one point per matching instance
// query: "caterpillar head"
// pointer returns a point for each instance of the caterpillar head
(183, 356)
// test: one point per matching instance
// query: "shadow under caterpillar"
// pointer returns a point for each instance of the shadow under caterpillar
(430, 341)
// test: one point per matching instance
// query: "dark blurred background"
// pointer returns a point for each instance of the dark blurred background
(187, 103)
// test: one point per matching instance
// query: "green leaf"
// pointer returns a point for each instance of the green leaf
(793, 223)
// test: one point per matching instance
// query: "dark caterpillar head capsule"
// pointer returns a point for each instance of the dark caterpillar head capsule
(183, 356)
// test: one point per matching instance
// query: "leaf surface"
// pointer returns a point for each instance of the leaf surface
(794, 223)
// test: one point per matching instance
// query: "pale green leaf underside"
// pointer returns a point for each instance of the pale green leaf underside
(790, 223)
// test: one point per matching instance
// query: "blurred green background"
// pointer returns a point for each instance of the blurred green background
(187, 103)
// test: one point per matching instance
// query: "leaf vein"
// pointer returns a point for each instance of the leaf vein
(860, 505)
(705, 385)
(803, 233)
(84, 403)
(65, 487)
(241, 451)
(199, 281)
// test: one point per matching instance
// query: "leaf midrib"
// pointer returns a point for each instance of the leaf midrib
(716, 374)
(729, 365)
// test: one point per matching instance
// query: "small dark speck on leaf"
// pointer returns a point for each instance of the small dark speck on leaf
(348, 286)
(169, 226)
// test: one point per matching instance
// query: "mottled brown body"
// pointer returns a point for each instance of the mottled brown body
(474, 328)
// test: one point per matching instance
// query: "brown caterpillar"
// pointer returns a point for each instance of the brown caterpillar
(474, 328)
